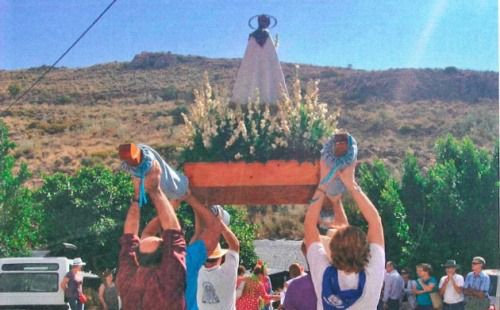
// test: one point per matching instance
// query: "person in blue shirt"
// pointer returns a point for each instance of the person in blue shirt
(476, 286)
(426, 284)
(208, 229)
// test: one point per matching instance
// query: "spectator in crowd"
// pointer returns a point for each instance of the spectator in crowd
(72, 284)
(476, 286)
(294, 271)
(217, 280)
(152, 270)
(266, 282)
(240, 281)
(451, 287)
(353, 275)
(425, 285)
(300, 294)
(408, 301)
(393, 287)
(108, 293)
(254, 294)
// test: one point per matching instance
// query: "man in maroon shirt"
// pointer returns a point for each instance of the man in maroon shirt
(152, 270)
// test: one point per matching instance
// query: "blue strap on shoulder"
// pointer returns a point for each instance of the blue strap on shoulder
(333, 298)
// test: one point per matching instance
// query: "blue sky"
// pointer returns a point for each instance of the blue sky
(371, 35)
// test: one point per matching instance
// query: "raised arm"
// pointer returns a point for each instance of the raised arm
(166, 213)
(375, 229)
(132, 223)
(311, 232)
(207, 225)
(153, 228)
(198, 227)
(340, 218)
(230, 238)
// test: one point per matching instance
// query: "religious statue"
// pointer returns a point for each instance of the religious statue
(260, 70)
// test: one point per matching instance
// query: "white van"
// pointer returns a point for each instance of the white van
(494, 292)
(33, 282)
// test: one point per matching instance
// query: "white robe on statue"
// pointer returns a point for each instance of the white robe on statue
(260, 69)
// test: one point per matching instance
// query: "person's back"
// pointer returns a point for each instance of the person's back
(152, 270)
(111, 297)
(218, 284)
(300, 294)
(353, 276)
(253, 291)
(374, 272)
(150, 287)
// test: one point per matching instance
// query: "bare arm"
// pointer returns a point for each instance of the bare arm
(375, 229)
(198, 227)
(64, 283)
(340, 218)
(458, 289)
(442, 289)
(101, 297)
(428, 288)
(473, 292)
(166, 213)
(131, 225)
(230, 238)
(208, 224)
(311, 232)
(153, 228)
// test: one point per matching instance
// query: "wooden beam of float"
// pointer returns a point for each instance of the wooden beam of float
(241, 183)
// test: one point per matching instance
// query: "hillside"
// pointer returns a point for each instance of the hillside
(79, 116)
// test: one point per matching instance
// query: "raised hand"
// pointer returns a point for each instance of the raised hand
(152, 179)
(346, 175)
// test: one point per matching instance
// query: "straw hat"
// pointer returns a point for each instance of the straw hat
(78, 262)
(218, 252)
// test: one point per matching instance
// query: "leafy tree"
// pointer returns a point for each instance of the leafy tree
(412, 193)
(88, 210)
(453, 210)
(472, 198)
(383, 191)
(19, 217)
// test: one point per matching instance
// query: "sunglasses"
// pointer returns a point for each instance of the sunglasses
(476, 263)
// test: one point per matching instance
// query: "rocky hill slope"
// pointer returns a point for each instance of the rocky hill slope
(79, 116)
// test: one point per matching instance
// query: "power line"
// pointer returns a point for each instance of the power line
(60, 58)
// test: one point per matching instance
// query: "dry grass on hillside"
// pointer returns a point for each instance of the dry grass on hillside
(63, 137)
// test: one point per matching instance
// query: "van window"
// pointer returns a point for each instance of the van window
(30, 266)
(29, 282)
(493, 285)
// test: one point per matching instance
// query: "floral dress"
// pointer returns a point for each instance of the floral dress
(252, 296)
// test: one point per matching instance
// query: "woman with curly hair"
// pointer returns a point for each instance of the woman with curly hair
(352, 276)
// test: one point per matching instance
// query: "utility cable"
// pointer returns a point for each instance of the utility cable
(60, 58)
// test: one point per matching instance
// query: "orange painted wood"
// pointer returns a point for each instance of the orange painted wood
(273, 172)
(273, 182)
(255, 195)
